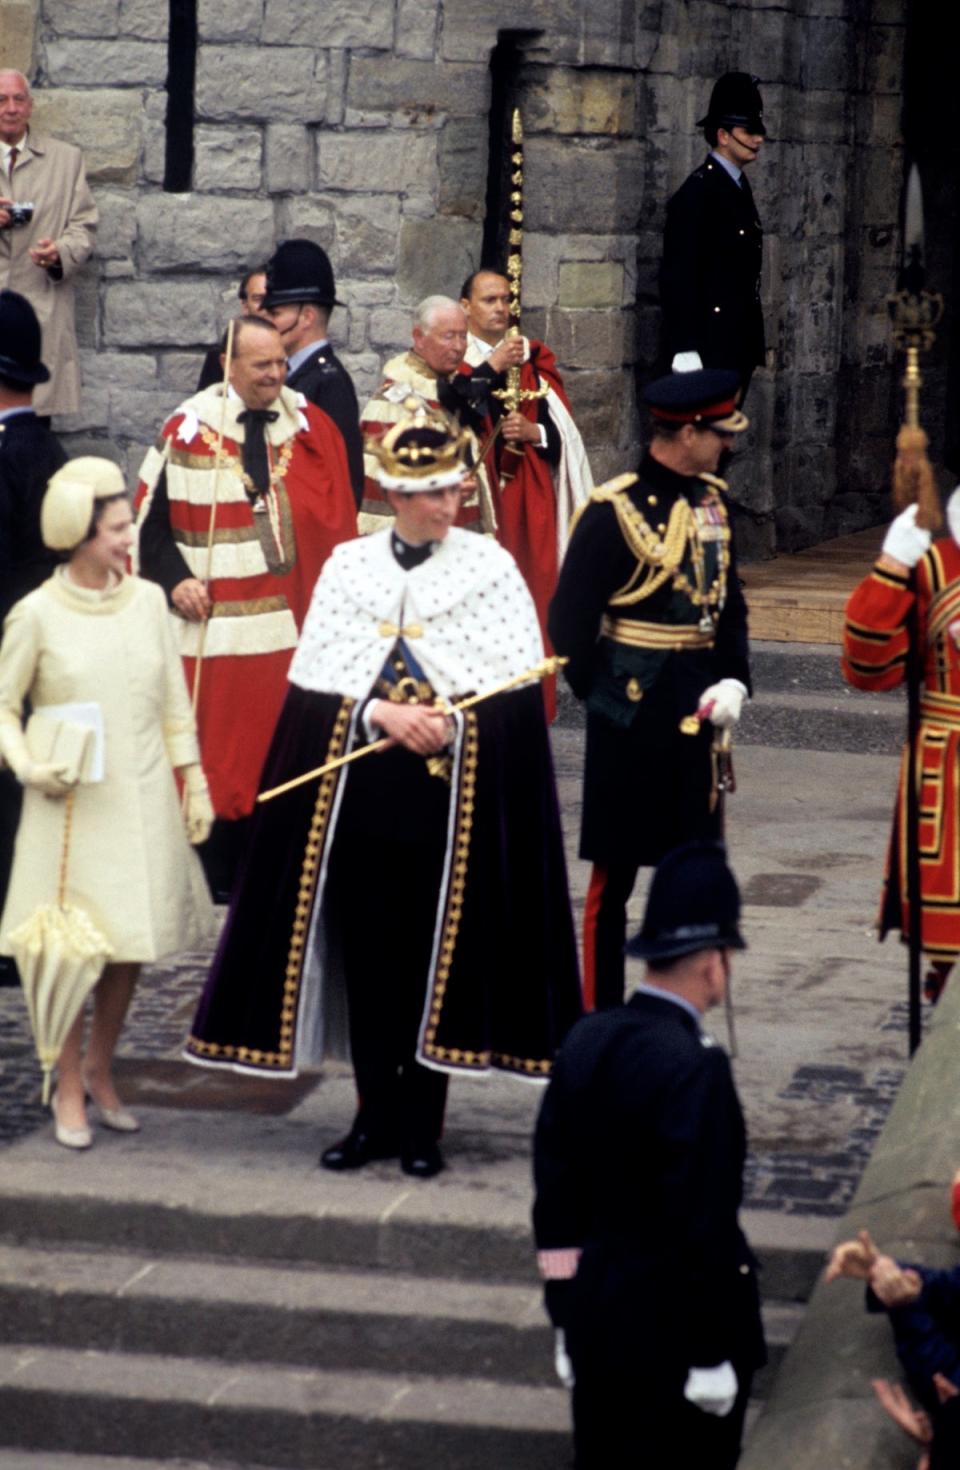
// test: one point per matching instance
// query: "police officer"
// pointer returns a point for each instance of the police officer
(713, 243)
(649, 612)
(638, 1163)
(300, 296)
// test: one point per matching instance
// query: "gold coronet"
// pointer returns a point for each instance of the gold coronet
(425, 443)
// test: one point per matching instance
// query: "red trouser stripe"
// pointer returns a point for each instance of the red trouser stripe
(591, 912)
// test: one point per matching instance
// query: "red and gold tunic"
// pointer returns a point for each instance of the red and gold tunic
(875, 645)
(264, 562)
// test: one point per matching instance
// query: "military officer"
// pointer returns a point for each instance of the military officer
(638, 1164)
(649, 611)
(300, 296)
(713, 243)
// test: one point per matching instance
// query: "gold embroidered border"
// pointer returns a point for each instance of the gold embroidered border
(944, 608)
(189, 461)
(891, 579)
(244, 606)
(465, 797)
(309, 873)
(940, 708)
(224, 534)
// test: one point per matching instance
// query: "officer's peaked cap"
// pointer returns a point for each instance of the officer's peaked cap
(707, 396)
(735, 102)
(693, 904)
(300, 271)
(20, 342)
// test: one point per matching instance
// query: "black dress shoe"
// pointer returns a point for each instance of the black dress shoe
(422, 1162)
(357, 1149)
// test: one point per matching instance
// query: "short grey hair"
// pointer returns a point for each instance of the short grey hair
(11, 71)
(428, 308)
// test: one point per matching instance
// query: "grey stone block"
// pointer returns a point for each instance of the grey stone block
(97, 64)
(82, 17)
(390, 328)
(117, 230)
(579, 100)
(417, 28)
(203, 232)
(308, 217)
(138, 413)
(160, 314)
(239, 21)
(352, 23)
(462, 160)
(391, 163)
(111, 119)
(237, 82)
(418, 89)
(598, 400)
(124, 370)
(227, 159)
(145, 19)
(562, 176)
(589, 339)
(435, 256)
(368, 232)
(288, 159)
(570, 32)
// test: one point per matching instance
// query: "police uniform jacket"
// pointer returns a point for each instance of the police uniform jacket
(710, 272)
(29, 455)
(638, 1162)
(649, 612)
(325, 381)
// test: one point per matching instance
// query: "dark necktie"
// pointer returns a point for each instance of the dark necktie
(409, 556)
(254, 446)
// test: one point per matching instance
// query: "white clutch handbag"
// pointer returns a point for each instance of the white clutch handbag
(68, 735)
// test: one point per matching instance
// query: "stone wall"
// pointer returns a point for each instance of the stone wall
(366, 130)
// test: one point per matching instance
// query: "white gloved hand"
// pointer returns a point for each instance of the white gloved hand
(198, 810)
(686, 362)
(714, 1390)
(561, 1359)
(905, 541)
(48, 777)
(722, 702)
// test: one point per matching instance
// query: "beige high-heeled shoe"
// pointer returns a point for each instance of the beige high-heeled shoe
(120, 1119)
(66, 1136)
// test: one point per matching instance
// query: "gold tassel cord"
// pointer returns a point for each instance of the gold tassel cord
(541, 670)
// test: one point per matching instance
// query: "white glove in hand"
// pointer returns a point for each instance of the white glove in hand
(905, 541)
(686, 362)
(197, 811)
(49, 778)
(561, 1359)
(722, 702)
(714, 1390)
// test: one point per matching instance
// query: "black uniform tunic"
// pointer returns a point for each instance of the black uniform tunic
(325, 381)
(647, 786)
(638, 1161)
(710, 272)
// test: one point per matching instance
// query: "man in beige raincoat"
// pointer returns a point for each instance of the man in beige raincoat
(40, 256)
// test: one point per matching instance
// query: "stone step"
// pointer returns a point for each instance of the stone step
(239, 1313)
(62, 1399)
(333, 1320)
(45, 1460)
(454, 1234)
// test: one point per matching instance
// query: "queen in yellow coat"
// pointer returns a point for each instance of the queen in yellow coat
(93, 635)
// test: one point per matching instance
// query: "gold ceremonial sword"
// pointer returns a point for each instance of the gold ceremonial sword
(542, 670)
(513, 395)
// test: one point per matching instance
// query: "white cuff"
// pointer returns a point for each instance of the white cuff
(714, 1390)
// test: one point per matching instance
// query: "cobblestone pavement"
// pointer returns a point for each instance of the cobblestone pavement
(820, 1015)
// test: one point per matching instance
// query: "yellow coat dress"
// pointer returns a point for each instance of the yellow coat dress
(130, 868)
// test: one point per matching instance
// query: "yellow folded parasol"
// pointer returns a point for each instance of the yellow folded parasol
(60, 954)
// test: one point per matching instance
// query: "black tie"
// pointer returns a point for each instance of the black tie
(254, 447)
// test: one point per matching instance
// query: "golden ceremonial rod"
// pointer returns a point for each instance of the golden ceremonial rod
(542, 670)
(512, 396)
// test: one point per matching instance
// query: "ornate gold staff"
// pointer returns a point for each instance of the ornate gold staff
(513, 395)
(542, 670)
